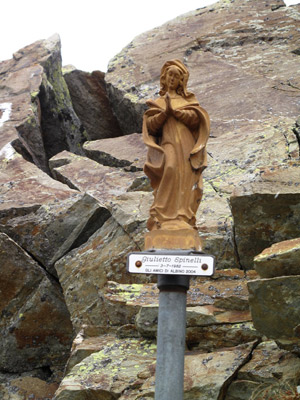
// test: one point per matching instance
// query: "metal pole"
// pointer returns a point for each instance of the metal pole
(171, 337)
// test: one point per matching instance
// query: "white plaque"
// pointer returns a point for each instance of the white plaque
(171, 264)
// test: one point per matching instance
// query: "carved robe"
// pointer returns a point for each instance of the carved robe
(175, 161)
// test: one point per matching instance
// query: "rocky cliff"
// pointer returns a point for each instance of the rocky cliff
(74, 202)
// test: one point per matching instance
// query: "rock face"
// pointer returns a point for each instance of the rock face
(226, 61)
(89, 98)
(84, 174)
(266, 210)
(51, 218)
(35, 325)
(278, 316)
(93, 264)
(127, 151)
(263, 372)
(71, 210)
(274, 300)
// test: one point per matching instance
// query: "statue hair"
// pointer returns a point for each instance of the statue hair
(184, 75)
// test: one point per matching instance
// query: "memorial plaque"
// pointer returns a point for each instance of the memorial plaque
(171, 263)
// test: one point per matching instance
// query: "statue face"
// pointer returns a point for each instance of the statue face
(173, 78)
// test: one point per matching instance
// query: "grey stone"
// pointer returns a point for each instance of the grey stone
(35, 325)
(275, 306)
(90, 102)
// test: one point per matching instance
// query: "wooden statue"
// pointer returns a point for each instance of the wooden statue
(175, 129)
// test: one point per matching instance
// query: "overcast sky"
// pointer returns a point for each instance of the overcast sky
(91, 31)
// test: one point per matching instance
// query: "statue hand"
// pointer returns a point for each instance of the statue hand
(169, 109)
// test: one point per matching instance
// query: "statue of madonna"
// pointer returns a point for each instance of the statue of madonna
(175, 129)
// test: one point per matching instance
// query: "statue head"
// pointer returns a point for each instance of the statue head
(184, 76)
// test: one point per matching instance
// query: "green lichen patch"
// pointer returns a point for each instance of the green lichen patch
(118, 366)
(133, 294)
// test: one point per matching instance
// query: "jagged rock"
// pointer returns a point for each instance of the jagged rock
(125, 151)
(27, 388)
(89, 340)
(131, 211)
(229, 294)
(20, 121)
(266, 210)
(90, 102)
(128, 299)
(60, 125)
(85, 271)
(241, 390)
(282, 365)
(42, 215)
(228, 291)
(281, 259)
(84, 174)
(208, 327)
(208, 338)
(210, 315)
(269, 366)
(217, 312)
(275, 307)
(125, 368)
(114, 368)
(291, 345)
(35, 325)
(40, 120)
(24, 187)
(83, 346)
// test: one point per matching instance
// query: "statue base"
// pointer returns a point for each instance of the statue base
(183, 239)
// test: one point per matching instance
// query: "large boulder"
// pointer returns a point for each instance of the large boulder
(214, 223)
(275, 306)
(266, 210)
(35, 326)
(20, 118)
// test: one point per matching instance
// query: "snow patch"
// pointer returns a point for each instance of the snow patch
(7, 152)
(6, 110)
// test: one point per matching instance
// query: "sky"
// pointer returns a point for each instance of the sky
(92, 31)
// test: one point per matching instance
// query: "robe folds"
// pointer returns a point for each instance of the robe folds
(175, 161)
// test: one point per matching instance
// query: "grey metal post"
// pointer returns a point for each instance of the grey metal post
(171, 337)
